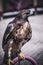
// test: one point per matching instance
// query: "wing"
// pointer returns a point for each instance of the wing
(7, 33)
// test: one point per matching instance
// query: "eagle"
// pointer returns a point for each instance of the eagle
(18, 32)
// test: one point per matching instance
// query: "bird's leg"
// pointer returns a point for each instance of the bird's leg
(9, 52)
(21, 55)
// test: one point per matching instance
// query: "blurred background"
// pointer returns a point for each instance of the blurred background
(35, 6)
(9, 9)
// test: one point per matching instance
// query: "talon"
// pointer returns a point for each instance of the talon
(21, 56)
(11, 61)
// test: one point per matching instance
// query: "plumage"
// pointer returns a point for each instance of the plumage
(19, 30)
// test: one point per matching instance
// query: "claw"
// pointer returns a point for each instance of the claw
(21, 56)
(10, 61)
